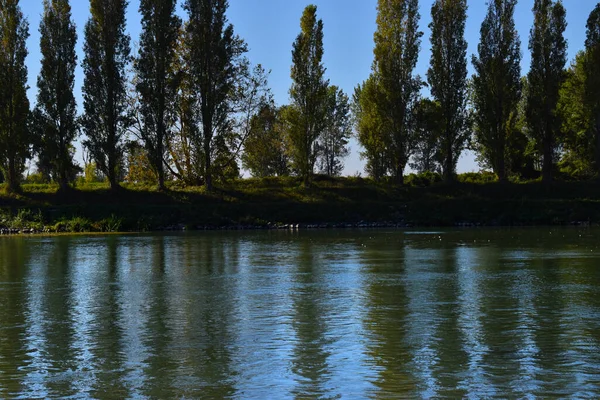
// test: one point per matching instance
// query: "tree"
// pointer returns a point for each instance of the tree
(55, 115)
(184, 145)
(333, 143)
(592, 78)
(106, 115)
(548, 57)
(216, 64)
(447, 77)
(14, 106)
(264, 151)
(397, 44)
(429, 125)
(156, 84)
(369, 126)
(497, 84)
(306, 116)
(576, 136)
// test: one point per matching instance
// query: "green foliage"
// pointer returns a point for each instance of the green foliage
(423, 179)
(592, 79)
(576, 134)
(106, 108)
(264, 151)
(156, 80)
(447, 77)
(397, 44)
(548, 57)
(369, 127)
(332, 145)
(55, 113)
(497, 84)
(110, 224)
(477, 177)
(91, 174)
(139, 168)
(306, 117)
(429, 124)
(78, 224)
(216, 68)
(15, 136)
(36, 178)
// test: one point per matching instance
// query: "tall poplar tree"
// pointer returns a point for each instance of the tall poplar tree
(592, 78)
(106, 115)
(497, 84)
(309, 94)
(14, 106)
(56, 110)
(369, 127)
(215, 64)
(447, 77)
(397, 44)
(333, 143)
(548, 58)
(156, 84)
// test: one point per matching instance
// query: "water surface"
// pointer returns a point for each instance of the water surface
(331, 314)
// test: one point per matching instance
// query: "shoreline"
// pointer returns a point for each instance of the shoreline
(284, 204)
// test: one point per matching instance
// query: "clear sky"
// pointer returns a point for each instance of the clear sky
(271, 26)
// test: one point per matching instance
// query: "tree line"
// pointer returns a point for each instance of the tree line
(190, 106)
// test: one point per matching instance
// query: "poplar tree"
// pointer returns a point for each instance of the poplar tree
(369, 127)
(106, 115)
(333, 143)
(56, 110)
(397, 44)
(548, 58)
(14, 106)
(215, 65)
(306, 116)
(155, 81)
(447, 77)
(592, 78)
(264, 151)
(497, 84)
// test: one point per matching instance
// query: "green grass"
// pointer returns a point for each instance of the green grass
(475, 198)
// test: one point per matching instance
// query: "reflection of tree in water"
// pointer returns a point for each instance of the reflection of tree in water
(387, 320)
(557, 370)
(202, 313)
(446, 340)
(56, 333)
(160, 367)
(107, 333)
(14, 258)
(310, 355)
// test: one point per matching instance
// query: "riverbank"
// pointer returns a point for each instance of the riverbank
(284, 203)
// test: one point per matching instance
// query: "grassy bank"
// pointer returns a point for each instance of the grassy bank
(280, 201)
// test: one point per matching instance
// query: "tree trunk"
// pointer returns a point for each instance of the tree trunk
(63, 180)
(597, 145)
(160, 168)
(112, 180)
(548, 155)
(501, 172)
(208, 184)
(13, 184)
(547, 162)
(449, 167)
(400, 175)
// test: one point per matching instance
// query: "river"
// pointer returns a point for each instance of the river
(325, 314)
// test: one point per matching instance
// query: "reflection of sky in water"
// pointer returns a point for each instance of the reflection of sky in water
(325, 314)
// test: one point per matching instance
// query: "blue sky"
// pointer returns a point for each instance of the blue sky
(270, 27)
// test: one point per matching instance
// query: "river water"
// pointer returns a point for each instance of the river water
(278, 315)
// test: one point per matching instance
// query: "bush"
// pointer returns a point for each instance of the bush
(423, 179)
(477, 177)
